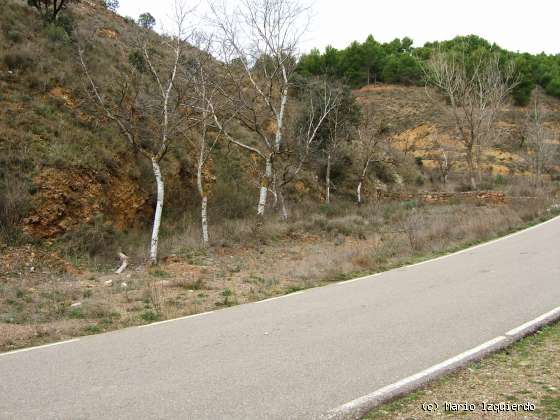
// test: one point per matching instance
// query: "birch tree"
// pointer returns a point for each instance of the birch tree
(444, 155)
(318, 99)
(336, 131)
(476, 88)
(259, 44)
(203, 99)
(371, 147)
(144, 103)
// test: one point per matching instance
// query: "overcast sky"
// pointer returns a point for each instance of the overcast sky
(518, 25)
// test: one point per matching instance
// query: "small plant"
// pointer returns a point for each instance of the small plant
(14, 36)
(410, 204)
(227, 294)
(76, 313)
(293, 289)
(92, 329)
(197, 284)
(500, 180)
(159, 274)
(149, 316)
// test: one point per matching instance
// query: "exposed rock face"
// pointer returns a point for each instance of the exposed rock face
(107, 33)
(68, 198)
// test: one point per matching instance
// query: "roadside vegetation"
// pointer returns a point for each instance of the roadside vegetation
(525, 372)
(218, 170)
(44, 298)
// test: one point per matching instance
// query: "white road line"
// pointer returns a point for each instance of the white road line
(413, 382)
(279, 297)
(390, 391)
(472, 248)
(167, 321)
(39, 347)
(535, 323)
(340, 283)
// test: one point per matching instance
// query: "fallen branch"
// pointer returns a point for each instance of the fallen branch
(124, 263)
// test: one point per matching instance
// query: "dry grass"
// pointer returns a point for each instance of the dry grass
(43, 298)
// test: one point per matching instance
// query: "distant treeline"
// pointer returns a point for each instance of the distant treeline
(399, 62)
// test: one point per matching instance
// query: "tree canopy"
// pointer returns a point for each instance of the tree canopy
(399, 62)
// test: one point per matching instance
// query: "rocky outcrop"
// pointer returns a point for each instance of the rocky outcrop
(67, 198)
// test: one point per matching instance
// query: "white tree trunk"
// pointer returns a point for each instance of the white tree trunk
(328, 180)
(204, 219)
(264, 187)
(359, 193)
(158, 212)
(362, 178)
(203, 199)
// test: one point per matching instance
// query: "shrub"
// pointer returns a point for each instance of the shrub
(553, 87)
(97, 239)
(66, 23)
(136, 60)
(18, 61)
(56, 33)
(14, 204)
(14, 36)
(500, 180)
(149, 316)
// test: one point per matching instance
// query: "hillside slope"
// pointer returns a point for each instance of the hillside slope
(419, 118)
(62, 163)
(63, 166)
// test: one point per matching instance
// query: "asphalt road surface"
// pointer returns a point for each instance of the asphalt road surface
(294, 357)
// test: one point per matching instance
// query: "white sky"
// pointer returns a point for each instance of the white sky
(518, 25)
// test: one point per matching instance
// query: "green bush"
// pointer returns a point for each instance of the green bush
(66, 23)
(553, 87)
(136, 60)
(149, 316)
(56, 33)
(500, 180)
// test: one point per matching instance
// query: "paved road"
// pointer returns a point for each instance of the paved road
(295, 357)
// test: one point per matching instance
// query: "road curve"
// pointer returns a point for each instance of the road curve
(294, 357)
